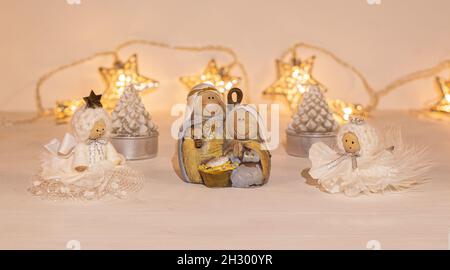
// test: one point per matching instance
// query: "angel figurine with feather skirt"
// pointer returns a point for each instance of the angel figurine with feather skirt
(367, 162)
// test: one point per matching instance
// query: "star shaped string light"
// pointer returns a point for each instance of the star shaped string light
(64, 110)
(443, 105)
(121, 75)
(343, 110)
(218, 76)
(293, 79)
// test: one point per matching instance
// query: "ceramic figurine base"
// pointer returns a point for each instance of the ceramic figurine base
(135, 148)
(298, 145)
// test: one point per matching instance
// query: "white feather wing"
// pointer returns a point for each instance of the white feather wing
(408, 164)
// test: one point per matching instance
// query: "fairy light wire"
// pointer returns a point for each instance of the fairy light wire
(374, 96)
(235, 62)
(373, 101)
(417, 75)
(40, 107)
(42, 111)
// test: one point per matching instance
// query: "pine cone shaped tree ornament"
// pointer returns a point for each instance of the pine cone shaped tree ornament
(133, 132)
(313, 122)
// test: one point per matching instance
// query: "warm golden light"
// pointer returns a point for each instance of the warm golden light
(293, 80)
(442, 107)
(118, 77)
(65, 109)
(343, 111)
(218, 76)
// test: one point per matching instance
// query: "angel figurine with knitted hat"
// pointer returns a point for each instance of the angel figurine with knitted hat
(85, 165)
(367, 161)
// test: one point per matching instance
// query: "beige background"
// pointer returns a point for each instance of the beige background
(384, 41)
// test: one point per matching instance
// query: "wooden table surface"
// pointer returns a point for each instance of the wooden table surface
(167, 213)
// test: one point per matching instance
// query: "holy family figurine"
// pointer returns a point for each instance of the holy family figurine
(222, 144)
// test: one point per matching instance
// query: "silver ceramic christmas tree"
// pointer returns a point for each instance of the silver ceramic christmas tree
(133, 132)
(130, 118)
(312, 123)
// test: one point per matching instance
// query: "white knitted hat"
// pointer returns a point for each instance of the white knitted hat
(84, 119)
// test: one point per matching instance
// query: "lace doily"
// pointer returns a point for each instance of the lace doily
(119, 182)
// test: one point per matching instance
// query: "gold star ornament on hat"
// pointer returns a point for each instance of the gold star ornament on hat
(93, 100)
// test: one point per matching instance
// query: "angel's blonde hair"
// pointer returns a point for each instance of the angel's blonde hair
(84, 119)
